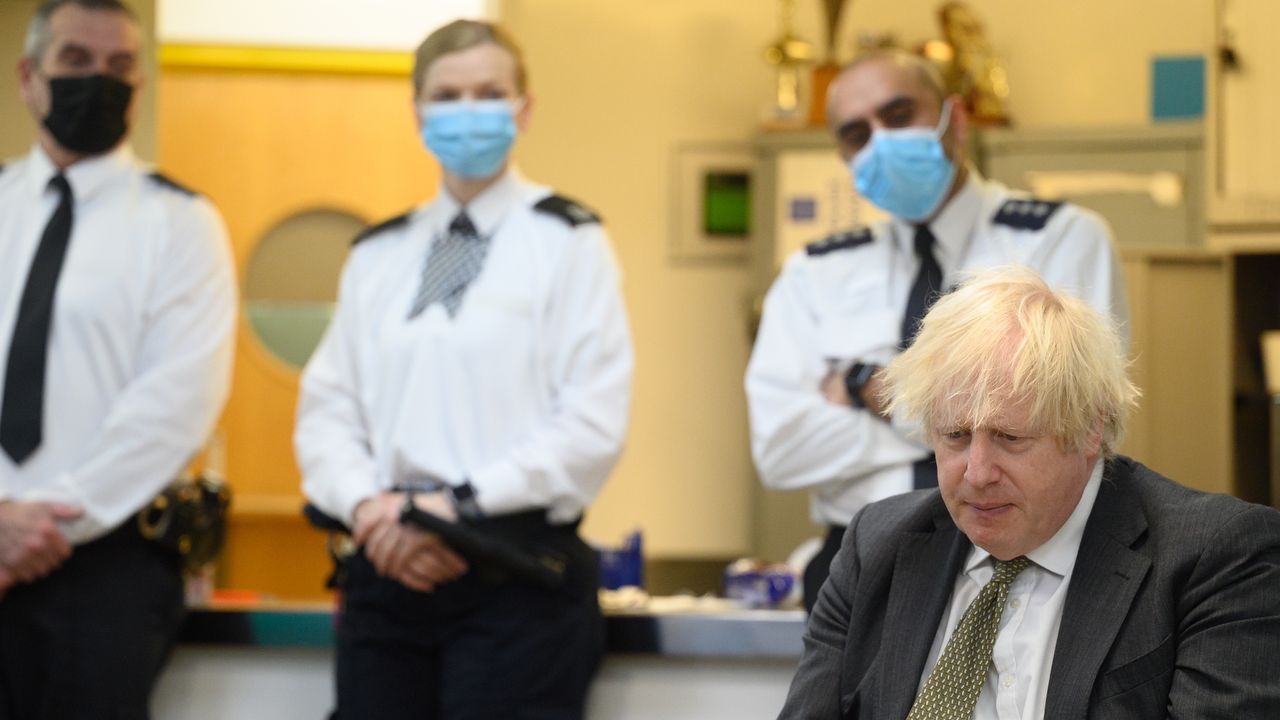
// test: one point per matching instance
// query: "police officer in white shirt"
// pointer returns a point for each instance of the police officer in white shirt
(845, 306)
(479, 362)
(117, 308)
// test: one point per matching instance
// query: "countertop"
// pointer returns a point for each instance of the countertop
(718, 633)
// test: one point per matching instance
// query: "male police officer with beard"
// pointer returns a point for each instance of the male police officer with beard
(845, 306)
(117, 306)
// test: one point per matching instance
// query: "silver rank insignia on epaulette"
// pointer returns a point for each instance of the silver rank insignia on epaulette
(572, 212)
(1026, 214)
(840, 241)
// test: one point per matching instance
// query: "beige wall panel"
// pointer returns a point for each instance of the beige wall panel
(1182, 341)
(617, 86)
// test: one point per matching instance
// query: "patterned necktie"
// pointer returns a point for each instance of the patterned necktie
(924, 292)
(952, 688)
(22, 411)
(455, 260)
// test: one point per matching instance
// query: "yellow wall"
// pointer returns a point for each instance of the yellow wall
(1076, 63)
(619, 83)
(616, 84)
(616, 87)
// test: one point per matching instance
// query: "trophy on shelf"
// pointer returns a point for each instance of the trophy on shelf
(969, 67)
(826, 71)
(788, 54)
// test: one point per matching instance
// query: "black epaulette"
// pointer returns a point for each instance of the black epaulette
(165, 181)
(1028, 214)
(381, 227)
(571, 211)
(840, 241)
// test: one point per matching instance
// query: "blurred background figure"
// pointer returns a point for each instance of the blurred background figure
(117, 303)
(843, 307)
(478, 365)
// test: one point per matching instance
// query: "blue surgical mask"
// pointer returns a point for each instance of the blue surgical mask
(905, 172)
(470, 138)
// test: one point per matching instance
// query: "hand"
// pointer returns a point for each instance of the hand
(836, 392)
(418, 559)
(871, 396)
(31, 544)
(426, 561)
(374, 512)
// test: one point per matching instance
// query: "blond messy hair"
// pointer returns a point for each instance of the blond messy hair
(1005, 339)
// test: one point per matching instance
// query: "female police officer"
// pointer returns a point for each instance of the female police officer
(479, 353)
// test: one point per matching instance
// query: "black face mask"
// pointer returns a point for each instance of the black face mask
(86, 113)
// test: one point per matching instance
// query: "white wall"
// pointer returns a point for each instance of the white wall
(366, 25)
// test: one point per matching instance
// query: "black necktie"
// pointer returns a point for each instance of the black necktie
(22, 412)
(926, 288)
(924, 291)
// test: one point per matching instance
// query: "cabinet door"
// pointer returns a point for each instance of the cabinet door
(1181, 350)
(1246, 113)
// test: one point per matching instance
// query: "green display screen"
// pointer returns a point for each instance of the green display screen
(726, 204)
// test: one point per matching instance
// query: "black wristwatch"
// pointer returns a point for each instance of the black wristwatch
(856, 379)
(464, 501)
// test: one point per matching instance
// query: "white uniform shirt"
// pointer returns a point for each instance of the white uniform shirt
(139, 360)
(525, 392)
(1018, 679)
(843, 300)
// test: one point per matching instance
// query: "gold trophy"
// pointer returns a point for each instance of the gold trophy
(974, 71)
(788, 54)
(826, 71)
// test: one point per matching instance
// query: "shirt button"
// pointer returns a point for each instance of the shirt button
(1007, 680)
(1016, 603)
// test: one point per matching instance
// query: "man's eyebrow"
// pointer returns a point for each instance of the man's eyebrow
(72, 47)
(855, 124)
(896, 103)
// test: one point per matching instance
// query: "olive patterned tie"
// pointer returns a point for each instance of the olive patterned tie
(951, 691)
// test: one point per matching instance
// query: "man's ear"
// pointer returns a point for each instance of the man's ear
(25, 70)
(959, 126)
(1093, 444)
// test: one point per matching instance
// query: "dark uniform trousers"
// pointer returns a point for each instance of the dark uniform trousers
(88, 641)
(474, 648)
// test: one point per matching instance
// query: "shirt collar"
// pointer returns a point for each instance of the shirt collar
(1058, 553)
(490, 207)
(953, 225)
(86, 176)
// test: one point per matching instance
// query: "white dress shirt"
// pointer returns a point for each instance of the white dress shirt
(139, 361)
(524, 393)
(1018, 678)
(829, 309)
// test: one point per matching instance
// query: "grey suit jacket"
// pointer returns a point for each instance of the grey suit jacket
(1173, 608)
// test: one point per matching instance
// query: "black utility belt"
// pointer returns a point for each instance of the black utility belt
(499, 548)
(189, 518)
